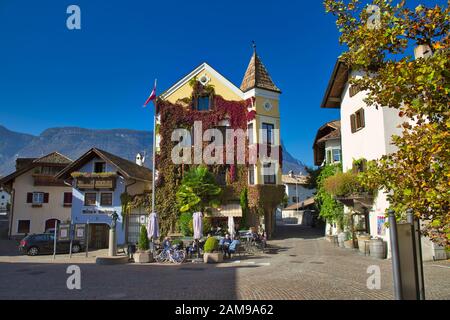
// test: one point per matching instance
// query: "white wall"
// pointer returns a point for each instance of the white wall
(303, 193)
(22, 210)
(4, 200)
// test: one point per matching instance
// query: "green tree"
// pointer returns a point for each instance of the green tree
(143, 244)
(330, 210)
(245, 209)
(416, 176)
(198, 191)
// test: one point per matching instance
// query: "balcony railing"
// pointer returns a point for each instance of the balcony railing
(46, 180)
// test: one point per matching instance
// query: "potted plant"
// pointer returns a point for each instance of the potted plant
(348, 243)
(143, 254)
(211, 251)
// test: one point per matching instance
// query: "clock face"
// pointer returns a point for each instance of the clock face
(267, 105)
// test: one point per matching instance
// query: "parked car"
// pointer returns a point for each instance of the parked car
(43, 243)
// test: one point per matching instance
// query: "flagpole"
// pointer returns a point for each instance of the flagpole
(154, 156)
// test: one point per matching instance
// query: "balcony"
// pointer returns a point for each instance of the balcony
(47, 180)
(95, 181)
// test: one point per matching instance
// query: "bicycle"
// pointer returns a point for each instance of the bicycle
(172, 255)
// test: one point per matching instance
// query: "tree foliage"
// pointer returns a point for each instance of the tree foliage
(417, 175)
(330, 210)
(198, 191)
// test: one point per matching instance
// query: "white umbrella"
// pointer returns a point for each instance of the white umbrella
(198, 225)
(153, 228)
(231, 227)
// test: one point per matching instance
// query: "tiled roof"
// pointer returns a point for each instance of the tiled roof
(257, 76)
(302, 204)
(25, 164)
(295, 179)
(127, 168)
(54, 157)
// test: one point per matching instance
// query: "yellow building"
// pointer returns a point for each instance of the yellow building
(256, 84)
(263, 128)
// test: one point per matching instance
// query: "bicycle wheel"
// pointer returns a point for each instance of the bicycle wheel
(178, 256)
(161, 257)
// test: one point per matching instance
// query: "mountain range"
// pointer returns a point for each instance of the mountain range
(74, 141)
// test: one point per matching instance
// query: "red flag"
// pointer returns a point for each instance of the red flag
(152, 96)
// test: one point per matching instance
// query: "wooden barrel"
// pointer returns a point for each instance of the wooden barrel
(361, 243)
(377, 248)
(341, 239)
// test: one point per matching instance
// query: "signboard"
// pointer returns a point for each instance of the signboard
(143, 219)
(64, 232)
(80, 231)
(381, 228)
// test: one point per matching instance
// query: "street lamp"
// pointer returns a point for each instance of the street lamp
(291, 174)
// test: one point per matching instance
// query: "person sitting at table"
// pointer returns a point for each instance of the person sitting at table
(166, 243)
(232, 248)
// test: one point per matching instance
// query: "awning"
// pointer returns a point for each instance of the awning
(229, 210)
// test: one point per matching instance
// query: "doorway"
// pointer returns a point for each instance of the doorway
(98, 236)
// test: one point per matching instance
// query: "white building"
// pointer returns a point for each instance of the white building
(37, 198)
(365, 134)
(327, 145)
(300, 199)
(4, 201)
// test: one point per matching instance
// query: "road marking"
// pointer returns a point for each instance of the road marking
(435, 265)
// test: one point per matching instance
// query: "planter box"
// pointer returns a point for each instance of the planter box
(348, 244)
(215, 257)
(143, 257)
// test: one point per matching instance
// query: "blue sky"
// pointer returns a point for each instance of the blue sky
(99, 76)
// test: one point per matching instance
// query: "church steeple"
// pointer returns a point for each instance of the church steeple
(257, 76)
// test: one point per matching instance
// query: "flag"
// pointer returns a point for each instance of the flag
(152, 96)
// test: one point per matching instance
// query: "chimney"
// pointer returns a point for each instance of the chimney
(422, 51)
(140, 159)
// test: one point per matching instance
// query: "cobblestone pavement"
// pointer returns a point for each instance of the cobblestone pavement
(300, 265)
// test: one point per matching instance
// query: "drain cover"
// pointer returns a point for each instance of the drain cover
(35, 273)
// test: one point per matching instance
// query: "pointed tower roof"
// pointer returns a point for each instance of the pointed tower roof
(257, 76)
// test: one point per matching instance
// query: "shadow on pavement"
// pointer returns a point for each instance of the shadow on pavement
(298, 232)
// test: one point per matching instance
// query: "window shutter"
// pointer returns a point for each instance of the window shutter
(67, 197)
(363, 121)
(29, 197)
(46, 196)
(353, 123)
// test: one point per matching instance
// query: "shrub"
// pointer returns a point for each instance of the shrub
(178, 242)
(211, 245)
(342, 184)
(143, 244)
(185, 223)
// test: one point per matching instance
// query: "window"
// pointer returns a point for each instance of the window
(90, 199)
(67, 198)
(203, 103)
(267, 133)
(106, 199)
(250, 133)
(328, 156)
(99, 167)
(294, 199)
(23, 226)
(354, 89)
(269, 173)
(336, 155)
(357, 120)
(251, 174)
(38, 197)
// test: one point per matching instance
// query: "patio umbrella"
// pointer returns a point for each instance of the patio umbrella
(231, 227)
(198, 225)
(153, 228)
